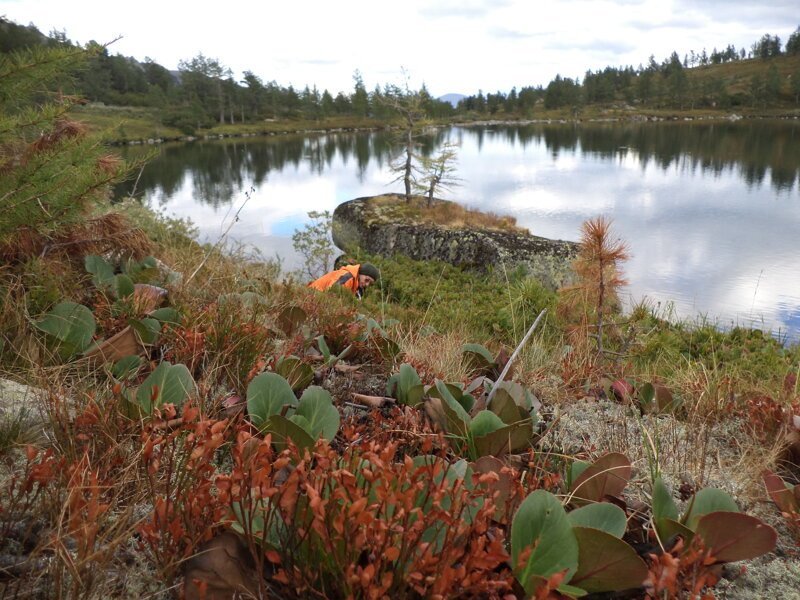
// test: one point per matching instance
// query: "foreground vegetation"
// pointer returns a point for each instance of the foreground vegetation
(190, 424)
(343, 448)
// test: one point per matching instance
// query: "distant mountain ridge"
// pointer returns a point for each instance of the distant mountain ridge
(453, 99)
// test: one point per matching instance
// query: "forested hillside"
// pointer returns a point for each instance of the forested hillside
(204, 92)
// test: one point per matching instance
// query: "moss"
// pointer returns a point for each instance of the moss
(484, 306)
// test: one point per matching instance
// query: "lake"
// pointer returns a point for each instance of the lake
(710, 209)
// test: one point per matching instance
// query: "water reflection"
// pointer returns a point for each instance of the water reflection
(710, 209)
(752, 148)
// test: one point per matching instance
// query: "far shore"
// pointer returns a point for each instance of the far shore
(126, 125)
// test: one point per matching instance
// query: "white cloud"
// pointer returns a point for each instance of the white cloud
(451, 46)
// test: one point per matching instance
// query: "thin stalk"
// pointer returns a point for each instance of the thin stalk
(220, 240)
(514, 356)
(600, 299)
(510, 300)
(433, 297)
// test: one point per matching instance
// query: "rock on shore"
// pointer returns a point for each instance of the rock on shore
(365, 225)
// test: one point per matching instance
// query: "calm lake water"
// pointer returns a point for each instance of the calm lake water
(711, 211)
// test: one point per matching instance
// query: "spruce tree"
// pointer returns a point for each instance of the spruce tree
(53, 173)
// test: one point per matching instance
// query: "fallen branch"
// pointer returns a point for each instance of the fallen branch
(373, 401)
(168, 425)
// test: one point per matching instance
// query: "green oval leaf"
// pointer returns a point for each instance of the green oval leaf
(317, 408)
(669, 528)
(485, 422)
(606, 563)
(541, 523)
(147, 329)
(266, 396)
(603, 516)
(467, 401)
(167, 384)
(295, 371)
(101, 271)
(476, 357)
(302, 422)
(167, 315)
(504, 406)
(126, 367)
(706, 501)
(509, 438)
(123, 286)
(574, 471)
(70, 325)
(457, 420)
(283, 430)
(647, 394)
(663, 505)
(388, 349)
(519, 394)
(405, 386)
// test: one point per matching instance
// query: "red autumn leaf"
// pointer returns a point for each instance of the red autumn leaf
(357, 507)
(281, 577)
(392, 554)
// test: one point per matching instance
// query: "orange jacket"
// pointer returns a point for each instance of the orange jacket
(347, 277)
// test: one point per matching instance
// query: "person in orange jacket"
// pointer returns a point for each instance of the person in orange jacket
(356, 278)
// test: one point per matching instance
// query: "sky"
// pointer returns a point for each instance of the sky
(452, 46)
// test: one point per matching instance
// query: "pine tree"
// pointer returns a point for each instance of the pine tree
(772, 86)
(408, 106)
(360, 98)
(438, 172)
(599, 270)
(53, 174)
(794, 86)
(793, 43)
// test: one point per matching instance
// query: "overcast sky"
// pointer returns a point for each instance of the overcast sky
(456, 46)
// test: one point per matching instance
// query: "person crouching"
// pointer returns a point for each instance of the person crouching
(356, 278)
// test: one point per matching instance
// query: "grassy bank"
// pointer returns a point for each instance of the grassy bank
(123, 124)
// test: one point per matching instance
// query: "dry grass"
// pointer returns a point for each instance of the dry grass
(443, 213)
(95, 235)
(535, 366)
(437, 355)
(88, 473)
(220, 269)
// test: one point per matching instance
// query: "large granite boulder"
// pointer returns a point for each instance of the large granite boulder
(374, 227)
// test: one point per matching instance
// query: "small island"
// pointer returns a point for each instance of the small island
(445, 231)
